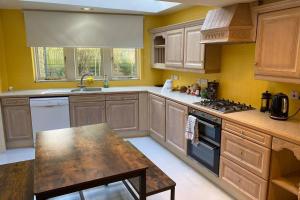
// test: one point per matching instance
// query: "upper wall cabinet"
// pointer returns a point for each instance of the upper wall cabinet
(178, 47)
(174, 48)
(277, 48)
(194, 52)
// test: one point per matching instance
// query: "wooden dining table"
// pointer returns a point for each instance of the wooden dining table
(75, 159)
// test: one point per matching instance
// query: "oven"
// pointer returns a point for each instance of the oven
(207, 152)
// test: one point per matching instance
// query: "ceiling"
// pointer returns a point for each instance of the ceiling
(218, 3)
(113, 6)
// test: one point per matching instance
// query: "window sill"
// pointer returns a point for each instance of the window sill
(78, 80)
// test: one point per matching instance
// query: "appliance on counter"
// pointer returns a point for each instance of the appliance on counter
(280, 107)
(265, 101)
(212, 90)
(207, 152)
(167, 86)
(224, 106)
(49, 114)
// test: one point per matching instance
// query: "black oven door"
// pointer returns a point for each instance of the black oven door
(209, 131)
(205, 153)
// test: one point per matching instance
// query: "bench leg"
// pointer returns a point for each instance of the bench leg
(173, 193)
(142, 185)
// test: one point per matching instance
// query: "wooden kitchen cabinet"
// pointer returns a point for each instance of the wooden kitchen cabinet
(174, 48)
(157, 111)
(251, 186)
(194, 52)
(176, 116)
(177, 47)
(249, 155)
(277, 46)
(17, 122)
(87, 110)
(122, 115)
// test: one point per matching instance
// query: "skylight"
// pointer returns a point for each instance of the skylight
(148, 6)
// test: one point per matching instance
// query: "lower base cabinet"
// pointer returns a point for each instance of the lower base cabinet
(123, 115)
(157, 117)
(87, 113)
(17, 120)
(250, 185)
(176, 117)
(87, 110)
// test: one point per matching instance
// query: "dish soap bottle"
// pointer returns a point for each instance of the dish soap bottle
(105, 82)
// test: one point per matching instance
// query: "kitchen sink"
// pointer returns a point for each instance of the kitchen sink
(87, 89)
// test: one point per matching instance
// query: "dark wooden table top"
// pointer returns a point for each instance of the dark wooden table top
(157, 180)
(76, 158)
(16, 181)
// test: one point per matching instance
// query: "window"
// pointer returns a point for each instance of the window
(51, 62)
(70, 63)
(124, 63)
(88, 60)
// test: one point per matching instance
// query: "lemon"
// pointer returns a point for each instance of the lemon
(89, 80)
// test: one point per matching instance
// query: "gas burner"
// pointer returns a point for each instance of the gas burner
(224, 105)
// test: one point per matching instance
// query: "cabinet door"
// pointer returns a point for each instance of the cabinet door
(278, 42)
(157, 117)
(176, 116)
(193, 50)
(250, 185)
(86, 113)
(249, 155)
(174, 48)
(122, 115)
(17, 121)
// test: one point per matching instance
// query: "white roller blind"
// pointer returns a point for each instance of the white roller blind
(62, 29)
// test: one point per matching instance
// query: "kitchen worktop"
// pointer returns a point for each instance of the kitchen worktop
(287, 130)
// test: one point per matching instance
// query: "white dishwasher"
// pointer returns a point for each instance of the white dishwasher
(49, 113)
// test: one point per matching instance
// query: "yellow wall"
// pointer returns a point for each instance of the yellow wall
(19, 66)
(236, 77)
(3, 80)
(237, 73)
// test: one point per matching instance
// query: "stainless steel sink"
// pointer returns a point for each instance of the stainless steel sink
(87, 89)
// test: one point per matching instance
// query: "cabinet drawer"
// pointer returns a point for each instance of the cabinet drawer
(247, 154)
(15, 101)
(249, 134)
(120, 97)
(87, 98)
(250, 185)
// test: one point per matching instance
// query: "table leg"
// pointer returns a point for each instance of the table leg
(81, 195)
(142, 185)
(173, 193)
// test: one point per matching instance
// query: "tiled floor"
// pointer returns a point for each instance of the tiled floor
(190, 184)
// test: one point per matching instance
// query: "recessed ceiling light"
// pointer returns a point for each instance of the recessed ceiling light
(86, 9)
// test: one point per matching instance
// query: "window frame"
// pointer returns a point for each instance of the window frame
(70, 65)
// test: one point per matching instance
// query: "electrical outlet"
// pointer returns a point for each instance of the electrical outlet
(295, 95)
(174, 77)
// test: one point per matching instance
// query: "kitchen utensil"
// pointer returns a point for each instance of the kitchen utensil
(265, 101)
(280, 107)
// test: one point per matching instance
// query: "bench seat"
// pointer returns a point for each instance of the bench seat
(16, 181)
(156, 180)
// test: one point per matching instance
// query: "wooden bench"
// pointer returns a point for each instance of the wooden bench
(156, 180)
(16, 181)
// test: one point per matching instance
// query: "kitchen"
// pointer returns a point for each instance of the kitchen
(248, 154)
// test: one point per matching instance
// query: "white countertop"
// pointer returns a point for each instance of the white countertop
(288, 130)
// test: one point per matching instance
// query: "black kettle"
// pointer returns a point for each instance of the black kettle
(280, 107)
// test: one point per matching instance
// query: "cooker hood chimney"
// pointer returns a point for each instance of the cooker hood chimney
(230, 24)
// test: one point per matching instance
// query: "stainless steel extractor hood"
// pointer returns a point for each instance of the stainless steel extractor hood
(230, 24)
